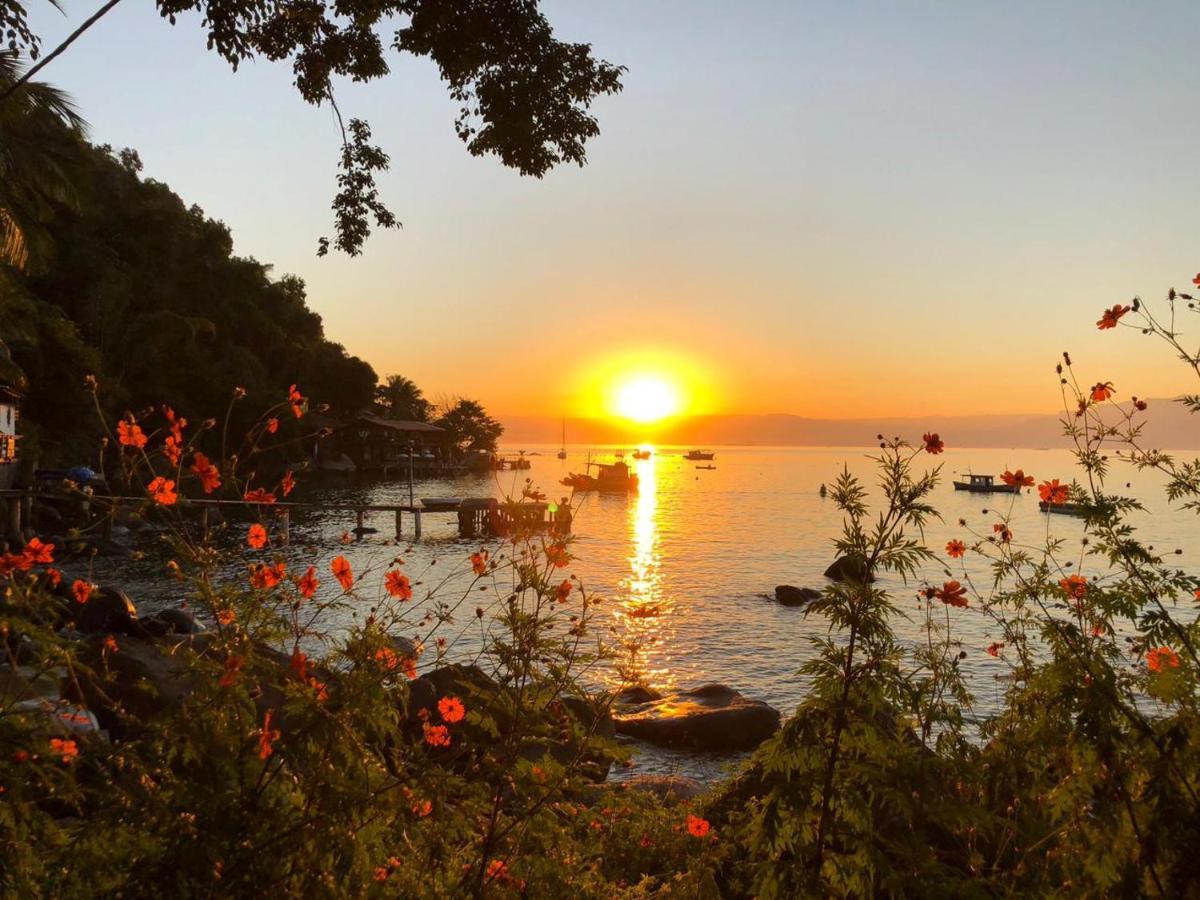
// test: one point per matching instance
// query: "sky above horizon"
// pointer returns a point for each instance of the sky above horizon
(830, 209)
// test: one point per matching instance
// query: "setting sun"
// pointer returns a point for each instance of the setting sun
(646, 398)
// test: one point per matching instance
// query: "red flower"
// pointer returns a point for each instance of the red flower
(436, 735)
(1003, 530)
(994, 649)
(233, 665)
(1160, 656)
(479, 562)
(81, 590)
(1101, 391)
(299, 664)
(259, 495)
(1196, 280)
(297, 401)
(210, 477)
(288, 484)
(54, 577)
(1075, 586)
(272, 425)
(267, 736)
(451, 709)
(397, 585)
(226, 617)
(1017, 478)
(39, 553)
(1111, 316)
(956, 549)
(952, 594)
(933, 443)
(256, 537)
(110, 644)
(563, 591)
(1052, 492)
(342, 572)
(265, 577)
(162, 490)
(422, 808)
(64, 748)
(557, 554)
(697, 827)
(10, 563)
(387, 658)
(308, 584)
(129, 434)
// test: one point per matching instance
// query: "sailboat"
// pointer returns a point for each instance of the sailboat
(562, 453)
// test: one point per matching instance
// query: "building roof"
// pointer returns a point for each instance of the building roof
(398, 424)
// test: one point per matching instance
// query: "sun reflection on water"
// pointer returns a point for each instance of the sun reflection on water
(645, 612)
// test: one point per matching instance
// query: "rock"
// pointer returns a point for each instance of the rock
(464, 682)
(591, 716)
(637, 693)
(665, 787)
(787, 595)
(177, 621)
(713, 717)
(406, 647)
(845, 569)
(108, 611)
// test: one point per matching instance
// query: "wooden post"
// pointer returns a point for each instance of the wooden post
(204, 523)
(358, 532)
(417, 516)
(399, 522)
(285, 523)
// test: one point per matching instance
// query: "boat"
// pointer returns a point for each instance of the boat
(985, 484)
(1063, 509)
(699, 454)
(705, 467)
(641, 454)
(611, 477)
(562, 453)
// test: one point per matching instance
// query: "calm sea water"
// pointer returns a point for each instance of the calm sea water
(702, 551)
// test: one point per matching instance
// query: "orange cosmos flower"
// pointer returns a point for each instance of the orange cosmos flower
(557, 554)
(81, 590)
(422, 808)
(956, 549)
(479, 562)
(267, 736)
(226, 616)
(994, 649)
(1162, 656)
(259, 495)
(64, 749)
(952, 594)
(436, 735)
(288, 484)
(1017, 478)
(1110, 317)
(1101, 391)
(497, 869)
(296, 400)
(110, 644)
(54, 577)
(256, 537)
(387, 658)
(451, 709)
(933, 443)
(265, 577)
(233, 665)
(210, 477)
(308, 584)
(39, 553)
(162, 490)
(1196, 280)
(272, 425)
(299, 664)
(697, 827)
(381, 873)
(563, 592)
(10, 563)
(1075, 586)
(398, 585)
(1052, 492)
(130, 434)
(342, 572)
(172, 449)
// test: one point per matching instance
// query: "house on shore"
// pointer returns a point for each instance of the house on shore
(12, 388)
(370, 444)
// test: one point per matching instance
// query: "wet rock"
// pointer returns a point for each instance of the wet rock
(846, 569)
(713, 717)
(637, 693)
(464, 682)
(177, 621)
(788, 595)
(665, 787)
(108, 611)
(591, 716)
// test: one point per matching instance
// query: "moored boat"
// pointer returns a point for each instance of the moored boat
(985, 484)
(641, 454)
(612, 477)
(699, 454)
(1063, 509)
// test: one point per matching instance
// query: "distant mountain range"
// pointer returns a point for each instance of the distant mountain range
(1169, 426)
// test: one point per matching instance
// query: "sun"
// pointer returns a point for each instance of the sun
(646, 398)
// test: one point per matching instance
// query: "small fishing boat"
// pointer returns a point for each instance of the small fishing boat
(705, 467)
(1063, 509)
(562, 453)
(699, 454)
(610, 477)
(985, 484)
(641, 454)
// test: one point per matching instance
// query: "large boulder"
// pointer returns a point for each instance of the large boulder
(846, 569)
(107, 611)
(713, 717)
(788, 595)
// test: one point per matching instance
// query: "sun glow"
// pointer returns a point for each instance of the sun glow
(646, 399)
